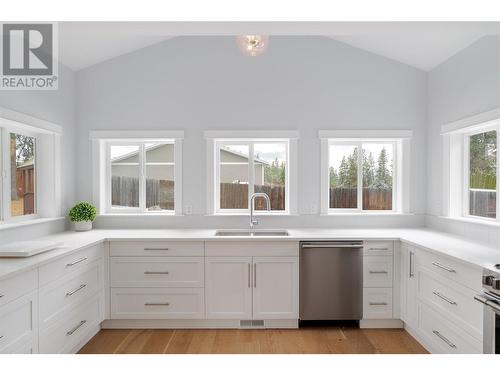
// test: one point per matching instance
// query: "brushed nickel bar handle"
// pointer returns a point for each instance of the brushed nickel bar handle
(156, 272)
(76, 290)
(255, 275)
(156, 248)
(249, 272)
(69, 333)
(378, 248)
(451, 302)
(377, 272)
(157, 304)
(439, 265)
(412, 264)
(331, 246)
(438, 334)
(378, 303)
(76, 262)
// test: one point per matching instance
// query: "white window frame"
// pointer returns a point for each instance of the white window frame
(218, 138)
(456, 164)
(47, 199)
(399, 139)
(101, 146)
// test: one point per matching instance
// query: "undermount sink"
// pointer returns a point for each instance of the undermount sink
(248, 233)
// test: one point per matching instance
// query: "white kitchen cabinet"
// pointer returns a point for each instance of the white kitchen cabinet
(409, 285)
(275, 287)
(228, 287)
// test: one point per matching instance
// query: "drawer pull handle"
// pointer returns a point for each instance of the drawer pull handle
(379, 248)
(378, 303)
(155, 272)
(438, 334)
(157, 304)
(76, 262)
(378, 272)
(439, 265)
(76, 290)
(69, 333)
(156, 248)
(451, 302)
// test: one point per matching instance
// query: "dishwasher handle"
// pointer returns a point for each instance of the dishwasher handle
(331, 246)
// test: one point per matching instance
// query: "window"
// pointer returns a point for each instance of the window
(361, 175)
(244, 167)
(141, 176)
(471, 165)
(365, 171)
(30, 166)
(481, 173)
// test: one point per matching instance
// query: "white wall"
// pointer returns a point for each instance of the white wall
(303, 83)
(465, 85)
(58, 106)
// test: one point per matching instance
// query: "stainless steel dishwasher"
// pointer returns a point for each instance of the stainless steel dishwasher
(331, 280)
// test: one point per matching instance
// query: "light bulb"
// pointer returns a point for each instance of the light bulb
(253, 45)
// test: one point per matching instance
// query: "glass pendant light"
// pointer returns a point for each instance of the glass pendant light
(253, 45)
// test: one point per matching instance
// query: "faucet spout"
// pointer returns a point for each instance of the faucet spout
(253, 221)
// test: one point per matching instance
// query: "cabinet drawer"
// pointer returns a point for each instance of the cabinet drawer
(453, 301)
(17, 323)
(179, 272)
(69, 331)
(61, 295)
(379, 248)
(451, 269)
(377, 303)
(445, 337)
(252, 248)
(69, 264)
(156, 248)
(17, 286)
(377, 271)
(157, 303)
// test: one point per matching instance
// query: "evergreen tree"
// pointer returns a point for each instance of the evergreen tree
(368, 169)
(334, 178)
(383, 177)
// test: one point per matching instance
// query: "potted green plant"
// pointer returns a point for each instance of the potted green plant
(82, 215)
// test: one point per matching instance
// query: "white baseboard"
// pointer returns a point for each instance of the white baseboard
(192, 324)
(381, 323)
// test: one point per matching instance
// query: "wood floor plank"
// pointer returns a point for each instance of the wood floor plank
(331, 340)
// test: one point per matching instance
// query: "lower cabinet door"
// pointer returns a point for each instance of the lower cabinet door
(228, 287)
(157, 303)
(18, 325)
(275, 288)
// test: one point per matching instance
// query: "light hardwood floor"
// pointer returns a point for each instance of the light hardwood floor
(334, 340)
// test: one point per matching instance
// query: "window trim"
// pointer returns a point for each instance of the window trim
(251, 175)
(359, 145)
(101, 168)
(258, 136)
(47, 136)
(401, 174)
(466, 170)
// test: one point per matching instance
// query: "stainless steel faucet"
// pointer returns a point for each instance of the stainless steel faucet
(252, 207)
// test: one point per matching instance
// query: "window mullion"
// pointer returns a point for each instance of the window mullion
(360, 176)
(498, 176)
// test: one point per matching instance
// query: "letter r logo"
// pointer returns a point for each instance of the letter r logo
(27, 49)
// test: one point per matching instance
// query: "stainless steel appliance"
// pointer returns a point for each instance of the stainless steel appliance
(491, 301)
(331, 280)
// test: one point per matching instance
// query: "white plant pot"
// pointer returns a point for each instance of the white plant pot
(82, 226)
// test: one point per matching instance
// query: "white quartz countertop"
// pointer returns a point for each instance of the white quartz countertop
(460, 248)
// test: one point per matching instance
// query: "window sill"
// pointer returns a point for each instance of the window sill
(137, 214)
(490, 223)
(23, 223)
(263, 214)
(399, 214)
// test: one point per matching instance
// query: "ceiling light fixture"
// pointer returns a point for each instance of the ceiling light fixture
(253, 45)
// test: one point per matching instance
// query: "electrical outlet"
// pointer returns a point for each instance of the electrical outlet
(188, 210)
(314, 209)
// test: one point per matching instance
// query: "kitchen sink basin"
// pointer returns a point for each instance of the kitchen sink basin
(248, 233)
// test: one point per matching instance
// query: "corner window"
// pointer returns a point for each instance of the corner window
(244, 167)
(481, 173)
(141, 176)
(361, 175)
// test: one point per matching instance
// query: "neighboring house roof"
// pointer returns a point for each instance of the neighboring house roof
(150, 148)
